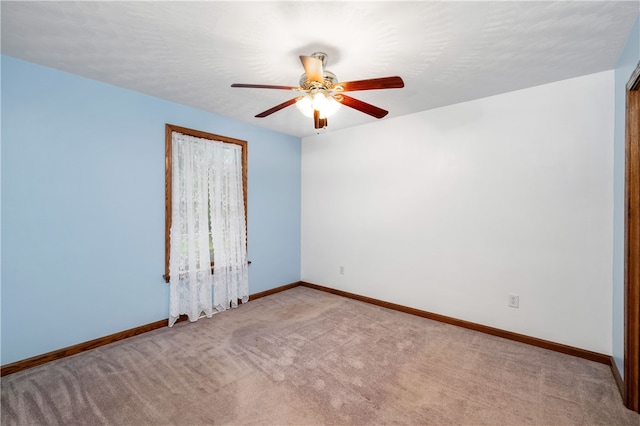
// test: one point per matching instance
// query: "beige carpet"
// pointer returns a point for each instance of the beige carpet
(307, 357)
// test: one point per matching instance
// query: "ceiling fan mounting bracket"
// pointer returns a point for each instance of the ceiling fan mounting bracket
(322, 56)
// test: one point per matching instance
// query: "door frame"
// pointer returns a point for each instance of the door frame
(631, 391)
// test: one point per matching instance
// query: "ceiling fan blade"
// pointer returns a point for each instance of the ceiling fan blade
(372, 84)
(263, 86)
(277, 108)
(361, 106)
(313, 68)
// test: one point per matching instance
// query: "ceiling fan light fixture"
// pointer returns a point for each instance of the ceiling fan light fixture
(320, 101)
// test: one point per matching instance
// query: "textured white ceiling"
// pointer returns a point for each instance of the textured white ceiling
(446, 51)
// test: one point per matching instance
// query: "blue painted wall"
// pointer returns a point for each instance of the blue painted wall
(626, 64)
(83, 207)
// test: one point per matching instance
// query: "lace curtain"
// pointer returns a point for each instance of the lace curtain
(207, 225)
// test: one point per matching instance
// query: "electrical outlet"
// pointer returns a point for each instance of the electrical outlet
(514, 301)
(341, 270)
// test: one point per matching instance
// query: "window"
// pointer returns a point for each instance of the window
(170, 130)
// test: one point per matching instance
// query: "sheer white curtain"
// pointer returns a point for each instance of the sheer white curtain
(230, 273)
(207, 215)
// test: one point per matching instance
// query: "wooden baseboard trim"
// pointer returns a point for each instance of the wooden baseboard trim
(25, 364)
(81, 347)
(558, 347)
(274, 290)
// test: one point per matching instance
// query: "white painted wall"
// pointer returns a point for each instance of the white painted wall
(452, 209)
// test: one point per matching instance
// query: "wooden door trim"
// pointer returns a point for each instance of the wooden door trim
(631, 393)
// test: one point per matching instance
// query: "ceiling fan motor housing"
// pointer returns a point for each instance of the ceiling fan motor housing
(329, 78)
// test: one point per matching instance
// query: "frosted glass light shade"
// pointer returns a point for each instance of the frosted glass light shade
(327, 105)
(305, 106)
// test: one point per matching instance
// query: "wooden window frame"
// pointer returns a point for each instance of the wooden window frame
(168, 168)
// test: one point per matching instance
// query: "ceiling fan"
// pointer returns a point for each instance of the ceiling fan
(321, 95)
